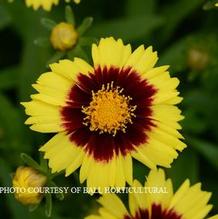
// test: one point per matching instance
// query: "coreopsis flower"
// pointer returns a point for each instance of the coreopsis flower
(105, 114)
(45, 4)
(188, 202)
(63, 36)
(25, 180)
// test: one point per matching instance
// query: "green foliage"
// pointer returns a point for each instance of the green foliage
(174, 28)
(130, 28)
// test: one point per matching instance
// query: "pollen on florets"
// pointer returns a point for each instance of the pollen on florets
(109, 111)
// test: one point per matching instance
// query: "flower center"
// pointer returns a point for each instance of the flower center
(109, 111)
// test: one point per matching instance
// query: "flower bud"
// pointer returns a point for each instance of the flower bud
(64, 36)
(197, 59)
(27, 182)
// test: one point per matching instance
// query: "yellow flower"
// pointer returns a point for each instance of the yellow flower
(216, 4)
(156, 200)
(25, 180)
(104, 115)
(45, 4)
(63, 36)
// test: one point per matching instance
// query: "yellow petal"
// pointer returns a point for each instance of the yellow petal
(143, 158)
(93, 217)
(135, 56)
(105, 214)
(158, 152)
(140, 198)
(159, 113)
(46, 5)
(120, 177)
(43, 117)
(110, 52)
(180, 193)
(166, 88)
(62, 154)
(142, 60)
(167, 139)
(155, 72)
(133, 205)
(214, 217)
(113, 205)
(71, 69)
(156, 179)
(128, 168)
(85, 168)
(75, 162)
(191, 201)
(52, 88)
(98, 175)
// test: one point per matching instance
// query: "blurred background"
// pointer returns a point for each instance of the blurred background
(185, 36)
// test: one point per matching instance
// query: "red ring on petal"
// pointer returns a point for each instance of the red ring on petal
(103, 146)
(156, 213)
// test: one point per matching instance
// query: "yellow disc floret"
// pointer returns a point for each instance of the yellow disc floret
(109, 111)
(63, 36)
(27, 181)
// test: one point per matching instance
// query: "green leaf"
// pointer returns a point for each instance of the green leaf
(87, 41)
(186, 166)
(44, 164)
(127, 28)
(5, 17)
(30, 162)
(86, 24)
(59, 196)
(14, 135)
(193, 123)
(42, 42)
(140, 7)
(33, 207)
(9, 78)
(48, 23)
(176, 12)
(69, 15)
(78, 51)
(33, 64)
(48, 205)
(57, 56)
(206, 149)
(176, 56)
(139, 171)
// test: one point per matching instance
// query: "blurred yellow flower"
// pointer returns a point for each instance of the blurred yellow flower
(198, 59)
(63, 36)
(24, 181)
(188, 202)
(76, 1)
(45, 4)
